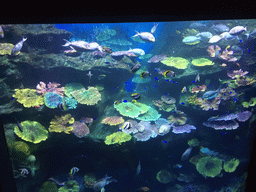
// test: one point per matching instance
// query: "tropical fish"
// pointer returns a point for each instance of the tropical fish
(136, 96)
(237, 30)
(76, 44)
(197, 78)
(145, 36)
(18, 46)
(204, 35)
(184, 89)
(126, 125)
(99, 185)
(214, 39)
(89, 74)
(186, 154)
(220, 28)
(211, 94)
(19, 126)
(207, 151)
(138, 169)
(153, 30)
(144, 74)
(177, 166)
(135, 67)
(168, 74)
(137, 52)
(191, 40)
(62, 106)
(94, 46)
(102, 76)
(73, 170)
(1, 32)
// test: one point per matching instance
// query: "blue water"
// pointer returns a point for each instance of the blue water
(100, 84)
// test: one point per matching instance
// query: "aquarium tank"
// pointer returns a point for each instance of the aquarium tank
(145, 106)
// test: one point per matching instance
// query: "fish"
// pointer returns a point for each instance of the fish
(102, 190)
(137, 52)
(197, 78)
(226, 36)
(145, 36)
(143, 189)
(94, 46)
(204, 35)
(184, 89)
(62, 106)
(207, 151)
(102, 76)
(16, 49)
(144, 74)
(89, 74)
(186, 154)
(237, 30)
(1, 32)
(138, 168)
(220, 28)
(214, 39)
(169, 73)
(191, 40)
(19, 126)
(136, 96)
(99, 185)
(76, 44)
(211, 94)
(153, 30)
(73, 170)
(135, 67)
(177, 166)
(126, 125)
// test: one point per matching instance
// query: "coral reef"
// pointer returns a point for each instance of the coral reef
(219, 125)
(146, 132)
(178, 118)
(48, 186)
(177, 62)
(251, 103)
(165, 176)
(117, 138)
(200, 62)
(198, 88)
(28, 97)
(130, 109)
(52, 100)
(80, 129)
(70, 87)
(41, 88)
(113, 120)
(231, 165)
(91, 96)
(62, 124)
(70, 103)
(209, 166)
(32, 131)
(70, 186)
(183, 129)
(213, 50)
(6, 48)
(236, 73)
(19, 151)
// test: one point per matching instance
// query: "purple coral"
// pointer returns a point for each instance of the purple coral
(80, 129)
(183, 129)
(219, 125)
(244, 116)
(149, 131)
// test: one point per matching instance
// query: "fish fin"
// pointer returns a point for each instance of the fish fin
(137, 33)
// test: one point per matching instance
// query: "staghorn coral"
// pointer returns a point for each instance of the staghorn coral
(80, 129)
(91, 96)
(209, 166)
(28, 97)
(200, 62)
(177, 62)
(231, 165)
(52, 100)
(113, 120)
(117, 137)
(32, 131)
(62, 124)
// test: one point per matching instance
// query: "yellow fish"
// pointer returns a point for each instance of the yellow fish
(227, 47)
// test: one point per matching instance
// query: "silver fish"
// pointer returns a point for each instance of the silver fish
(138, 169)
(145, 36)
(99, 185)
(89, 74)
(197, 78)
(186, 154)
(211, 94)
(18, 46)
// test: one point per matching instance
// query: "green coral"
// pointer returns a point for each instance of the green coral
(62, 124)
(165, 176)
(70, 87)
(209, 166)
(231, 165)
(91, 96)
(202, 62)
(49, 186)
(20, 151)
(6, 49)
(177, 62)
(52, 100)
(251, 103)
(70, 186)
(118, 137)
(151, 115)
(32, 132)
(70, 103)
(193, 142)
(28, 97)
(129, 109)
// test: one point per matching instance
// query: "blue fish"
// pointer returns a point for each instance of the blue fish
(211, 94)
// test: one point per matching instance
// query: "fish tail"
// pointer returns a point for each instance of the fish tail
(137, 33)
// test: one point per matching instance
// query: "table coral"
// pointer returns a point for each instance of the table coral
(28, 97)
(117, 137)
(177, 62)
(200, 62)
(32, 132)
(209, 166)
(70, 87)
(130, 109)
(80, 129)
(91, 96)
(62, 124)
(113, 120)
(151, 115)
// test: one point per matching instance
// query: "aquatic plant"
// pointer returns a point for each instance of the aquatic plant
(91, 96)
(231, 165)
(80, 129)
(113, 120)
(62, 124)
(28, 97)
(52, 100)
(200, 62)
(117, 137)
(32, 131)
(177, 62)
(209, 166)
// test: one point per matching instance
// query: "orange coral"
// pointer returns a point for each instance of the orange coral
(113, 120)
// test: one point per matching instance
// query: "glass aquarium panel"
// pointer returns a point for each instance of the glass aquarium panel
(159, 106)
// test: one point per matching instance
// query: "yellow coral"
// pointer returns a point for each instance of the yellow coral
(20, 150)
(6, 49)
(118, 137)
(28, 97)
(202, 62)
(231, 165)
(62, 124)
(177, 62)
(91, 96)
(209, 166)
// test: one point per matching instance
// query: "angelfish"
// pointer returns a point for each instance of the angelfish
(18, 46)
(186, 154)
(138, 169)
(197, 78)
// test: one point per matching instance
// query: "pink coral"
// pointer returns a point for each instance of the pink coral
(227, 56)
(198, 88)
(113, 120)
(213, 50)
(236, 73)
(80, 129)
(41, 88)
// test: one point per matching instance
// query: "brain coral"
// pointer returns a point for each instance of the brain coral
(28, 97)
(91, 96)
(177, 62)
(32, 131)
